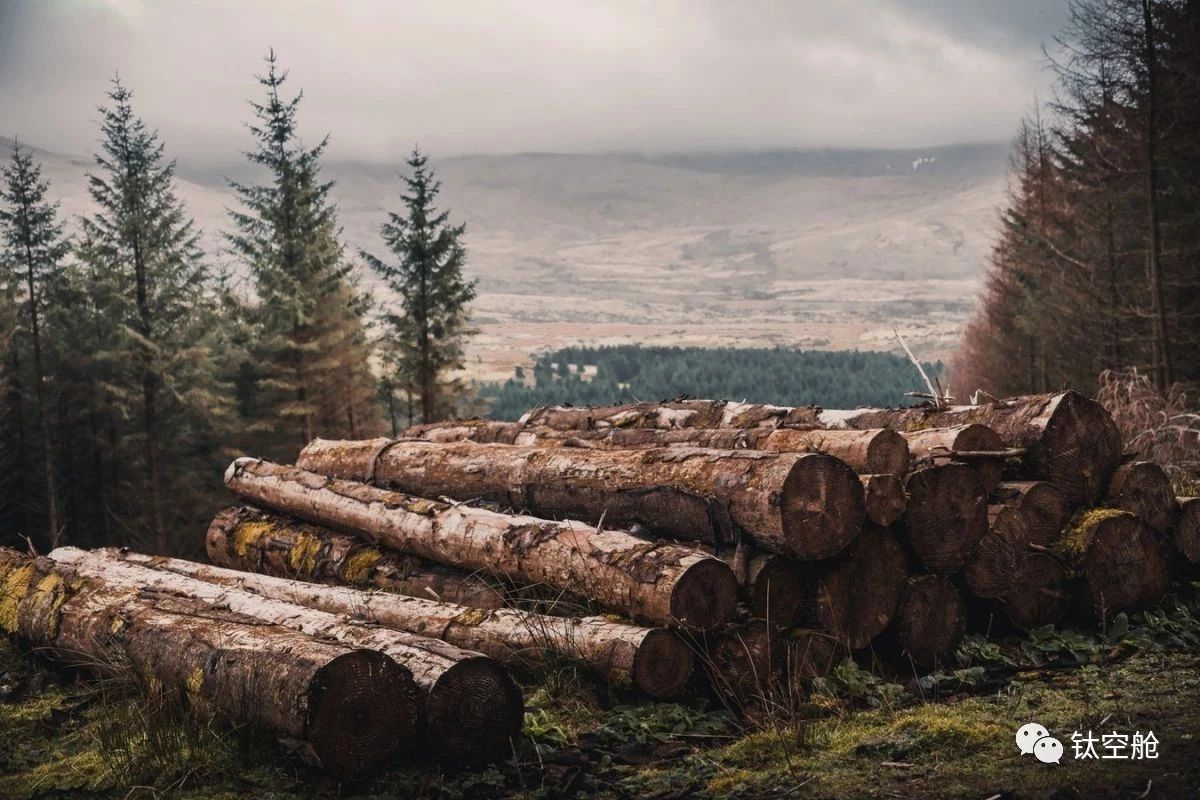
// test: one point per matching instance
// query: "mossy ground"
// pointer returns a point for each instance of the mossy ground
(63, 736)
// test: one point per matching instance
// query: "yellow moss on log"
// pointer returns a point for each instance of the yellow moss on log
(195, 681)
(1078, 535)
(358, 565)
(248, 536)
(46, 599)
(12, 591)
(472, 616)
(305, 554)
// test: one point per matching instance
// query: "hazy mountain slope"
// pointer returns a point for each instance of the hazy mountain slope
(818, 248)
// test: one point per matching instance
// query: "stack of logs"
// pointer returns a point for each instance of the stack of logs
(379, 589)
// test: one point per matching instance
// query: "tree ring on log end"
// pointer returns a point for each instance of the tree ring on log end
(887, 453)
(1040, 597)
(473, 711)
(822, 507)
(663, 664)
(1124, 566)
(363, 709)
(1080, 448)
(946, 516)
(932, 620)
(778, 591)
(705, 595)
(976, 438)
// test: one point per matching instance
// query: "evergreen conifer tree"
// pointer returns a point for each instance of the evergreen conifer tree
(431, 332)
(310, 373)
(34, 248)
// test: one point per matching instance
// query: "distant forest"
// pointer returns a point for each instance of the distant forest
(595, 375)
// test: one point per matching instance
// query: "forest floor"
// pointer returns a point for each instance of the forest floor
(947, 735)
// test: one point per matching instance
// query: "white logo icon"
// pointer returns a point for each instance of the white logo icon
(1028, 736)
(1048, 750)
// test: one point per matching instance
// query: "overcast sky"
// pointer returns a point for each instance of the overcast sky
(462, 76)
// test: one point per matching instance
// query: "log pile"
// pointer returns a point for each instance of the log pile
(692, 545)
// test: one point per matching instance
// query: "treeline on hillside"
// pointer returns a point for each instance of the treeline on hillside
(132, 371)
(1097, 265)
(619, 373)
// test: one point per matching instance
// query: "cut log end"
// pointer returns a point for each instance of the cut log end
(777, 591)
(1186, 532)
(1080, 448)
(361, 709)
(705, 596)
(931, 620)
(976, 438)
(1144, 490)
(822, 507)
(663, 664)
(743, 662)
(991, 574)
(811, 654)
(474, 710)
(1121, 559)
(946, 516)
(885, 498)
(1044, 505)
(857, 599)
(1041, 597)
(887, 453)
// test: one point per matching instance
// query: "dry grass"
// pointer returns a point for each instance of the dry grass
(1159, 427)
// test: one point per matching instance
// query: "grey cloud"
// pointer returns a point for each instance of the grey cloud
(507, 75)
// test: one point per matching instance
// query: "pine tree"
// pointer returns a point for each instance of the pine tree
(151, 307)
(311, 369)
(431, 332)
(34, 250)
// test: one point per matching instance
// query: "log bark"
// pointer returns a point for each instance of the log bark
(270, 544)
(885, 498)
(1121, 561)
(946, 516)
(1042, 503)
(653, 660)
(1043, 598)
(931, 620)
(1069, 440)
(1143, 489)
(940, 445)
(879, 451)
(853, 598)
(469, 430)
(1186, 533)
(806, 506)
(675, 414)
(472, 708)
(991, 574)
(347, 708)
(658, 583)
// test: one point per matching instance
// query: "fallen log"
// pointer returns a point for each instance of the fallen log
(885, 498)
(946, 516)
(349, 709)
(655, 582)
(879, 451)
(1041, 503)
(674, 414)
(991, 574)
(853, 598)
(1120, 559)
(653, 660)
(1043, 598)
(1068, 439)
(472, 708)
(468, 430)
(955, 445)
(806, 506)
(1186, 532)
(1143, 489)
(270, 544)
(931, 620)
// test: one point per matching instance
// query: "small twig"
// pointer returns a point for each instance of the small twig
(938, 401)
